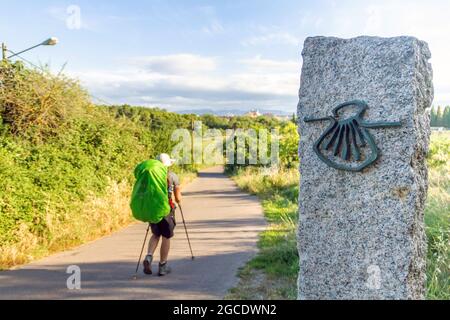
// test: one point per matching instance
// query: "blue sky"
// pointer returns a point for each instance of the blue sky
(209, 54)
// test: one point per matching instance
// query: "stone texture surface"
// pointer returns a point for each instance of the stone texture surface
(361, 235)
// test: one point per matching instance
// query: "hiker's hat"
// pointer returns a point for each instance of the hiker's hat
(165, 159)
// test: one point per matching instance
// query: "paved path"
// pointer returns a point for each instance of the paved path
(223, 225)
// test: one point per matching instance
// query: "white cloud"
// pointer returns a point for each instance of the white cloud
(264, 65)
(200, 80)
(175, 64)
(271, 39)
(427, 21)
(260, 83)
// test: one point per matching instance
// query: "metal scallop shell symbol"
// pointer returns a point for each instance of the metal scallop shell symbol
(347, 144)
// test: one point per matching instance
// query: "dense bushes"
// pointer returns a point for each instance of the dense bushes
(66, 165)
(37, 103)
(44, 183)
(160, 122)
(60, 157)
(163, 123)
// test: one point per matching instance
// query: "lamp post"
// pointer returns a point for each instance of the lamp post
(4, 51)
(49, 42)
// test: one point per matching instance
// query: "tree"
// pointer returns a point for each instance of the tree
(439, 117)
(433, 117)
(446, 117)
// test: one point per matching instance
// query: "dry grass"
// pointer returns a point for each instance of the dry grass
(37, 102)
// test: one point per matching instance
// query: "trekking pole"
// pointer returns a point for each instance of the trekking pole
(142, 250)
(185, 229)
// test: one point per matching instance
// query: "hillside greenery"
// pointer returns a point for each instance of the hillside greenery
(66, 164)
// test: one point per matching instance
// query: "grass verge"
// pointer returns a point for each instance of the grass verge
(272, 274)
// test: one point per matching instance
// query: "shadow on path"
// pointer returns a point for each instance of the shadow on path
(113, 280)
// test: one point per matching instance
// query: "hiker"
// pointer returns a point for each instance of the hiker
(165, 228)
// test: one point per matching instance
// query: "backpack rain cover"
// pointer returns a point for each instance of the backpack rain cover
(149, 200)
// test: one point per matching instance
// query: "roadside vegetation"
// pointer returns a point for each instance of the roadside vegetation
(65, 164)
(440, 117)
(272, 274)
(66, 176)
(437, 217)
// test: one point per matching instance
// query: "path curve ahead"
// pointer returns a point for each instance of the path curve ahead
(223, 224)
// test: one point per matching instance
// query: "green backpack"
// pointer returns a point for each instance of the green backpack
(150, 198)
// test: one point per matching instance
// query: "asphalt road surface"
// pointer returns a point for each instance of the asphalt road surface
(223, 224)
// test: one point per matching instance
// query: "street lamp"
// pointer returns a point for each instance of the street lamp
(49, 42)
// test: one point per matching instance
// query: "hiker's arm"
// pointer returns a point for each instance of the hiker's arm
(177, 194)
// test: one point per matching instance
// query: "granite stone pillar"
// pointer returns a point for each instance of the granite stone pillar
(364, 134)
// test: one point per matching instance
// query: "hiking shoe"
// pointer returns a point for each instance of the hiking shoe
(164, 269)
(148, 264)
